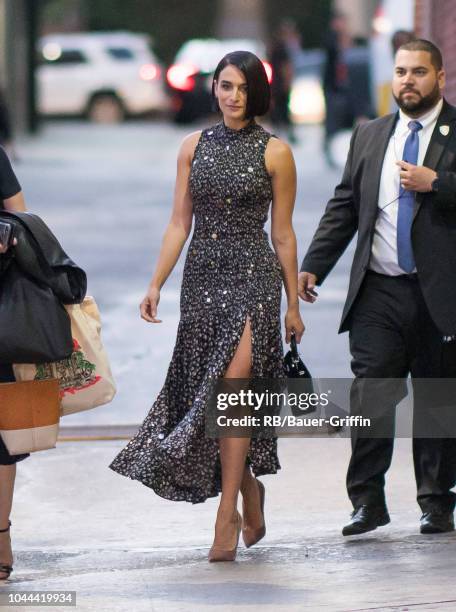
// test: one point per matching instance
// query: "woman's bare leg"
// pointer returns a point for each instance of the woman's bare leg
(252, 515)
(233, 453)
(7, 478)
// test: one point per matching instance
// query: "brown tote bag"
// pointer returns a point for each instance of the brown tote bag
(29, 415)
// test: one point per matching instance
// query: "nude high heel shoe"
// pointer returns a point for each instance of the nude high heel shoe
(220, 554)
(252, 536)
(4, 568)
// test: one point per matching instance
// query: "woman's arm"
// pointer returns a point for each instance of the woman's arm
(177, 231)
(15, 203)
(281, 167)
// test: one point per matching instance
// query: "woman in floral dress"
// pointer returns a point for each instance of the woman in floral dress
(227, 177)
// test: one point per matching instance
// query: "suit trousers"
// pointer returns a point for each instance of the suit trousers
(392, 335)
(6, 375)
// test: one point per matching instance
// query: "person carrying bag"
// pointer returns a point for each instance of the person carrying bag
(85, 378)
(37, 279)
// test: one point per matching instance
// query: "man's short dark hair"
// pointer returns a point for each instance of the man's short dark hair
(258, 90)
(421, 44)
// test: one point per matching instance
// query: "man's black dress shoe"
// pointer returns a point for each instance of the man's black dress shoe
(437, 521)
(366, 518)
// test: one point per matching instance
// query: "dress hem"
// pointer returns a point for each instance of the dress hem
(188, 499)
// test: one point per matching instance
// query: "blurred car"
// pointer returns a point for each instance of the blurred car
(307, 102)
(190, 76)
(104, 76)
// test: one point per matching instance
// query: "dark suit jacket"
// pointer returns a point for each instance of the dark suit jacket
(354, 208)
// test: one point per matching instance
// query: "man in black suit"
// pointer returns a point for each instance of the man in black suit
(401, 305)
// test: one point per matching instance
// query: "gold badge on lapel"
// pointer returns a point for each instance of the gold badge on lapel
(444, 130)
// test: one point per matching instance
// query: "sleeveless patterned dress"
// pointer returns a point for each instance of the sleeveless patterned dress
(230, 274)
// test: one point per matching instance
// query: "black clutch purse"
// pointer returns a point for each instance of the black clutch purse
(294, 365)
(295, 368)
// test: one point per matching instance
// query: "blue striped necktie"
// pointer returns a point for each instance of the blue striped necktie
(405, 256)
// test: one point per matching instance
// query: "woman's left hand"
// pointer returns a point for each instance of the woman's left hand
(294, 324)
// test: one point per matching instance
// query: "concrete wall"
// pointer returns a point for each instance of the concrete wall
(437, 22)
(241, 19)
(2, 43)
(16, 25)
(359, 14)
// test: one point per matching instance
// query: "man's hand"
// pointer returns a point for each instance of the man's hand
(416, 178)
(306, 287)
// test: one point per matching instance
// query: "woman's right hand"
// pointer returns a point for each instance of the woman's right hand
(149, 305)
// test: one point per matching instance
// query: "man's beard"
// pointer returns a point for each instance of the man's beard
(423, 104)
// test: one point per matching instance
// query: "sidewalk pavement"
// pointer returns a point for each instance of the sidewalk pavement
(79, 526)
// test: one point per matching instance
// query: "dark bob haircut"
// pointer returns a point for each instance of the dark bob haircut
(258, 90)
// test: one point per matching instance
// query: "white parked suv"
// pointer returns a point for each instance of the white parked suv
(105, 76)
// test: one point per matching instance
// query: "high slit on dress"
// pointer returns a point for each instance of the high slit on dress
(231, 274)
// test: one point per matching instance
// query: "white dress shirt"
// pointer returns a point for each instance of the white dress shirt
(384, 246)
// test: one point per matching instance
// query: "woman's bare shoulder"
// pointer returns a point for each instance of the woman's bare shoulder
(189, 144)
(278, 147)
(278, 155)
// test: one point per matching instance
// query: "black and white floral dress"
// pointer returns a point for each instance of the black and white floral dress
(230, 274)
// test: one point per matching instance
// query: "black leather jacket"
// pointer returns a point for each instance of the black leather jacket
(39, 254)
